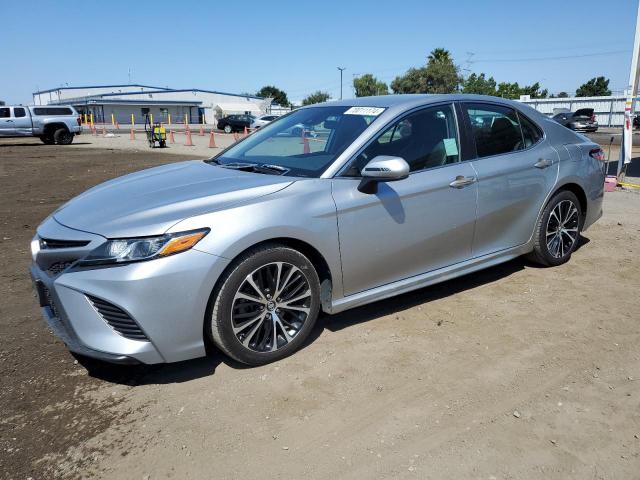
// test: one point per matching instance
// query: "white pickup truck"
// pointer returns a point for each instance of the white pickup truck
(52, 124)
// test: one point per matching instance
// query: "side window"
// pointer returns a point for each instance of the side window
(531, 133)
(425, 139)
(5, 112)
(495, 128)
(19, 112)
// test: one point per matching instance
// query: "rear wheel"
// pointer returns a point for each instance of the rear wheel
(558, 230)
(62, 136)
(227, 129)
(265, 305)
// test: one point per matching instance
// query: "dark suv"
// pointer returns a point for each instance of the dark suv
(235, 123)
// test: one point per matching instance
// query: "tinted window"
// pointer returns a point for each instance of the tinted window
(5, 112)
(495, 128)
(19, 112)
(52, 111)
(425, 139)
(531, 133)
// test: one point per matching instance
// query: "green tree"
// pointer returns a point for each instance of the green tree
(367, 85)
(440, 55)
(316, 97)
(596, 87)
(279, 96)
(440, 75)
(479, 84)
(508, 90)
(534, 91)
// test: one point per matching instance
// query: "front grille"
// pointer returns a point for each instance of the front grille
(118, 319)
(50, 243)
(59, 267)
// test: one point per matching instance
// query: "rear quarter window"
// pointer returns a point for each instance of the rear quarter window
(52, 111)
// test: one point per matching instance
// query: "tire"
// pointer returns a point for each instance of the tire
(228, 129)
(291, 314)
(558, 230)
(62, 136)
(47, 140)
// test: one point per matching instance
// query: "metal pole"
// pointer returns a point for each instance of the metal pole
(629, 108)
(341, 70)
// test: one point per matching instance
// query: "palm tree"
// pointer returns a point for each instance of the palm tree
(439, 55)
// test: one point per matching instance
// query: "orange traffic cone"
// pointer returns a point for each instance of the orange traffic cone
(171, 139)
(132, 135)
(306, 149)
(212, 141)
(246, 131)
(104, 130)
(201, 133)
(188, 142)
(94, 132)
(235, 136)
(117, 126)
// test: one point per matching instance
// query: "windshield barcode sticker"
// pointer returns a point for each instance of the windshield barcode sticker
(373, 111)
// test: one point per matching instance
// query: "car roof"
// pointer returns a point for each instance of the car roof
(411, 100)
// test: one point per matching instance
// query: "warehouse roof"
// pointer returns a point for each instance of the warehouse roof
(99, 86)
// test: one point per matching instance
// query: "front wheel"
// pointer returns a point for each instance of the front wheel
(265, 306)
(558, 230)
(227, 129)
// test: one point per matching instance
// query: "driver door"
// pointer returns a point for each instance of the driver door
(411, 226)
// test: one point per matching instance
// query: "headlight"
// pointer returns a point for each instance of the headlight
(137, 249)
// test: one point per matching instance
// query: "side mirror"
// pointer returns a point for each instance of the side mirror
(382, 168)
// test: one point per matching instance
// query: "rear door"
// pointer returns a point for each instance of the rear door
(516, 167)
(22, 121)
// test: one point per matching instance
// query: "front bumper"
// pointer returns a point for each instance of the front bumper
(166, 297)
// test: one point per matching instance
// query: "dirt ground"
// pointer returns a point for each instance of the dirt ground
(513, 372)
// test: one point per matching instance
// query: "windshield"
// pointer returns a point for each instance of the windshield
(302, 143)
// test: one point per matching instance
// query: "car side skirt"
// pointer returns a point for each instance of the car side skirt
(426, 279)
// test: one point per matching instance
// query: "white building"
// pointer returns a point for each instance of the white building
(123, 101)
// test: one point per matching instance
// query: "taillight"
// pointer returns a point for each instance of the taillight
(598, 154)
(79, 120)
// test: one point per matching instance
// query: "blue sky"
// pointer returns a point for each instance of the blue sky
(242, 45)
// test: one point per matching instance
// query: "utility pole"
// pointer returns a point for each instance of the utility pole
(342, 69)
(627, 130)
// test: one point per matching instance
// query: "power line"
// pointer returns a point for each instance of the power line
(563, 57)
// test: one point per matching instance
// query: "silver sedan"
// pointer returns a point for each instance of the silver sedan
(244, 250)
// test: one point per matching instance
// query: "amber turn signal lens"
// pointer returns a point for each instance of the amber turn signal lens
(180, 244)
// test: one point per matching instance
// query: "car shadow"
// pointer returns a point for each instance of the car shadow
(34, 144)
(160, 374)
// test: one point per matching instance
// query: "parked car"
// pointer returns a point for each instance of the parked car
(235, 123)
(263, 120)
(636, 121)
(582, 120)
(243, 250)
(52, 124)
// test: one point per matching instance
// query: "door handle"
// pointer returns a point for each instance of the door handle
(461, 181)
(543, 163)
(9, 121)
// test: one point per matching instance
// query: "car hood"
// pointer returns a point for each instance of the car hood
(151, 201)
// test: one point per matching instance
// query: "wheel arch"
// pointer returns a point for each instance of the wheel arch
(50, 128)
(316, 258)
(312, 253)
(578, 191)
